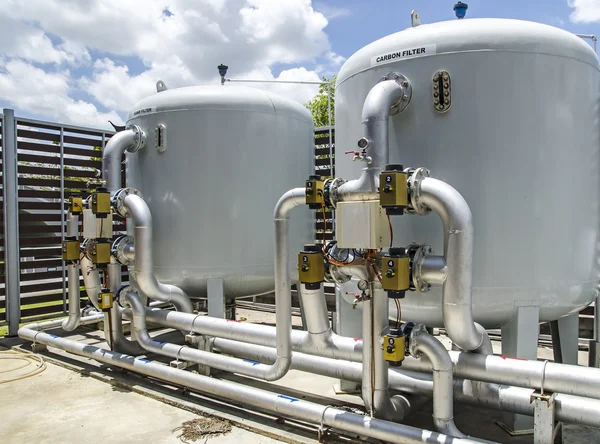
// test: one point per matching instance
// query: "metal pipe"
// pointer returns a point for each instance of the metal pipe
(267, 401)
(572, 409)
(131, 140)
(591, 37)
(375, 388)
(11, 221)
(327, 345)
(457, 301)
(137, 209)
(433, 270)
(559, 378)
(422, 342)
(185, 353)
(91, 280)
(62, 219)
(113, 319)
(72, 322)
(129, 252)
(381, 103)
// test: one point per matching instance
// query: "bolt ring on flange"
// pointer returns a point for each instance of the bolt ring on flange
(119, 200)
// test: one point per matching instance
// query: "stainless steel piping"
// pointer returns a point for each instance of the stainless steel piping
(384, 100)
(91, 280)
(267, 401)
(113, 319)
(572, 409)
(433, 269)
(375, 388)
(131, 140)
(72, 322)
(136, 208)
(319, 339)
(559, 378)
(185, 353)
(422, 342)
(457, 220)
(337, 346)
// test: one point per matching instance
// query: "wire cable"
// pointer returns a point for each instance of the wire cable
(11, 355)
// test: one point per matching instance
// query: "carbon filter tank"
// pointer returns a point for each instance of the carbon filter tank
(517, 134)
(216, 161)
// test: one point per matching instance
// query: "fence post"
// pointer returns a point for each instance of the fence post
(11, 222)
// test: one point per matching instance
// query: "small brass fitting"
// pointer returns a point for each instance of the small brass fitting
(311, 267)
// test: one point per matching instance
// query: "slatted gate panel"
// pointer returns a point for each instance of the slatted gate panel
(324, 160)
(2, 280)
(50, 156)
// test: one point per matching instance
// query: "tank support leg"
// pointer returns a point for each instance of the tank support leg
(565, 337)
(519, 340)
(348, 322)
(216, 298)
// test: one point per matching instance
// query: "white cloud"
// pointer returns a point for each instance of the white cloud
(34, 91)
(80, 46)
(331, 12)
(585, 11)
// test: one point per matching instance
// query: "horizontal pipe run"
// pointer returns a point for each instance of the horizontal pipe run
(326, 345)
(559, 378)
(261, 399)
(571, 409)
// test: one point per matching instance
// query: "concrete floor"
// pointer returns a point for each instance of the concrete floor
(60, 406)
(121, 403)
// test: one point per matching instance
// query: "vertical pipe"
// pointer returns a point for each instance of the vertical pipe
(62, 216)
(11, 221)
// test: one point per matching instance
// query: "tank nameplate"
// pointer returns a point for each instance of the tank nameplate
(442, 89)
(403, 53)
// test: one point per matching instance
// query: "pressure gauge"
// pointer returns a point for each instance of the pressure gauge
(363, 285)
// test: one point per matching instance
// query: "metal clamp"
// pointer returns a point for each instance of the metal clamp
(118, 200)
(415, 176)
(323, 431)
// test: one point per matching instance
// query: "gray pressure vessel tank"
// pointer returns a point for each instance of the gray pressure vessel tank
(216, 161)
(520, 141)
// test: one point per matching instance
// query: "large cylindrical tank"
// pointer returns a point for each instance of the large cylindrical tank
(520, 142)
(216, 161)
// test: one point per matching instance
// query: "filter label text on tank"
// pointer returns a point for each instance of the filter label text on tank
(139, 112)
(405, 53)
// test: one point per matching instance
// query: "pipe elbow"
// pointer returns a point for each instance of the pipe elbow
(465, 334)
(71, 323)
(291, 199)
(447, 426)
(278, 370)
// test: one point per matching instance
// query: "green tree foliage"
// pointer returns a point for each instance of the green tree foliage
(318, 104)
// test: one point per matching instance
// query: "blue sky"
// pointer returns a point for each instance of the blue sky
(87, 62)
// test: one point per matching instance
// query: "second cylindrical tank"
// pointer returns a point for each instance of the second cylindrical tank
(217, 160)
